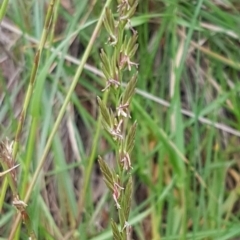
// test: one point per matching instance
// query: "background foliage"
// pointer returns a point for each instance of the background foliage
(186, 158)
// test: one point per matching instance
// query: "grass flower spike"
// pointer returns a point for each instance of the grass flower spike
(115, 121)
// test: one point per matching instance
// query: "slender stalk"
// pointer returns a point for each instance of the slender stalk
(33, 76)
(11, 182)
(3, 9)
(91, 159)
(53, 25)
(29, 154)
(60, 116)
(3, 191)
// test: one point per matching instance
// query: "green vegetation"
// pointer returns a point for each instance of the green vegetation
(186, 155)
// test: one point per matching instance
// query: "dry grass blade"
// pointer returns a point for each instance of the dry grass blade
(9, 170)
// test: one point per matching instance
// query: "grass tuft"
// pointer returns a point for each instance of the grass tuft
(178, 166)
